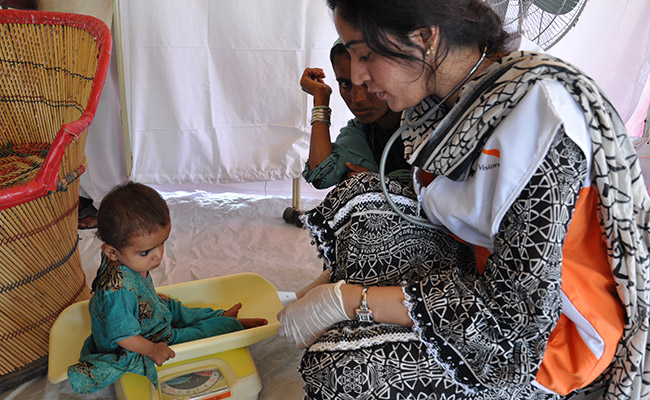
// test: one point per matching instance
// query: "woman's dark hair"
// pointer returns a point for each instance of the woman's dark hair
(130, 209)
(462, 23)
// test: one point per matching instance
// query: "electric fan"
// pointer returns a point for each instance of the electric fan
(543, 21)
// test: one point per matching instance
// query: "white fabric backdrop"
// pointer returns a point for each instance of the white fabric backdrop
(213, 93)
(212, 87)
(611, 43)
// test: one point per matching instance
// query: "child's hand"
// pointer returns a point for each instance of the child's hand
(252, 322)
(163, 297)
(232, 311)
(158, 352)
(161, 353)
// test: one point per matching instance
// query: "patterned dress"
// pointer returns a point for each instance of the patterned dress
(125, 304)
(483, 335)
(364, 242)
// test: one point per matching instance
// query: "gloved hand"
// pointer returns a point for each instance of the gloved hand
(305, 320)
(324, 277)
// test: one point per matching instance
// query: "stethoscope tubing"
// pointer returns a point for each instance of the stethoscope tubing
(410, 124)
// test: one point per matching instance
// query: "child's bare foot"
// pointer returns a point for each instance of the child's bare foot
(232, 311)
(248, 323)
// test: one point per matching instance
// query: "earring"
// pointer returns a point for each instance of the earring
(429, 49)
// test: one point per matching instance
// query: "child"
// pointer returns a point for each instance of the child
(132, 326)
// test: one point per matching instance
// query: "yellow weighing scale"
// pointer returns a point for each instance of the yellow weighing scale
(214, 368)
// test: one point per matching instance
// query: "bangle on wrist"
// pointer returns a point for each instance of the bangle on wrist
(321, 114)
(364, 313)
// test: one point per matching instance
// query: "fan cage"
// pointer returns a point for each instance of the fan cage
(544, 22)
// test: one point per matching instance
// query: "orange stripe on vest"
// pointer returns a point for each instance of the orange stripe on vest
(587, 281)
(492, 152)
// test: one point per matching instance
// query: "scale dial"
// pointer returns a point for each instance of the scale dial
(206, 385)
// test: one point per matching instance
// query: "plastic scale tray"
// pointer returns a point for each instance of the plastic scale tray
(211, 368)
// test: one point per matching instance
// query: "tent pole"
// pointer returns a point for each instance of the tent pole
(296, 193)
(124, 115)
(646, 124)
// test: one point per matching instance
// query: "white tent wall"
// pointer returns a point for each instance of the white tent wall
(212, 87)
(611, 43)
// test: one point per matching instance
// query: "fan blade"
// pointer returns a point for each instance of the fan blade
(557, 7)
(500, 7)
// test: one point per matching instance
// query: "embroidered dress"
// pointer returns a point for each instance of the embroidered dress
(484, 335)
(365, 242)
(125, 304)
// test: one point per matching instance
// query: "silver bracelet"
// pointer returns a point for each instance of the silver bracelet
(321, 114)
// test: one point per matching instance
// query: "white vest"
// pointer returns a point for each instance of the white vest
(473, 209)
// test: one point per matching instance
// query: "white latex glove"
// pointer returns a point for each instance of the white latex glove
(305, 320)
(323, 278)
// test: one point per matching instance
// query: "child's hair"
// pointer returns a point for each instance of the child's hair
(130, 209)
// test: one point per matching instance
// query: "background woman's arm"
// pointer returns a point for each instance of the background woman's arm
(320, 144)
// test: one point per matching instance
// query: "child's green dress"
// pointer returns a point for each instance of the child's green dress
(125, 304)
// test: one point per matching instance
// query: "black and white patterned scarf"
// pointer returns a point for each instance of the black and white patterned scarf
(448, 144)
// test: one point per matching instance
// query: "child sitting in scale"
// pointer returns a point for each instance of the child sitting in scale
(133, 326)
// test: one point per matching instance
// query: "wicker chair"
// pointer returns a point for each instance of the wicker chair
(52, 70)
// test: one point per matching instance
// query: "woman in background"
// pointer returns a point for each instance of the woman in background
(359, 145)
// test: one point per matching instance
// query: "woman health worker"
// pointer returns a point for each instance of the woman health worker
(523, 160)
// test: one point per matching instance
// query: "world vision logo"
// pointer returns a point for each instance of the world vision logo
(488, 166)
(492, 152)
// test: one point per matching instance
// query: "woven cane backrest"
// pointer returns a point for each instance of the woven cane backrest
(49, 89)
(46, 76)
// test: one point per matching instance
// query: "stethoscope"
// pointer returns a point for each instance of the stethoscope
(410, 124)
(407, 124)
